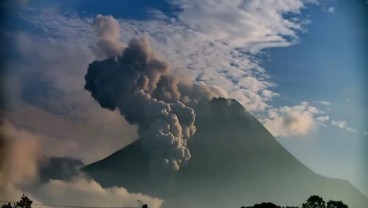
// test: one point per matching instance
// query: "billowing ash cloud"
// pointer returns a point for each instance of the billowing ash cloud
(146, 93)
(128, 83)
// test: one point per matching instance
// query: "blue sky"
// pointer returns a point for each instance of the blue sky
(299, 60)
(329, 63)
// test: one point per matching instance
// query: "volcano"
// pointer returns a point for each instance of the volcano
(235, 161)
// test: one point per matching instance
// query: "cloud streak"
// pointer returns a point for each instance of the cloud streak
(343, 125)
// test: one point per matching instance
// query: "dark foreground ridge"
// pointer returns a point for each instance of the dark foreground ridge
(235, 161)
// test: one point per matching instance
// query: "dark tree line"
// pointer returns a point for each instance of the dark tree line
(24, 202)
(312, 202)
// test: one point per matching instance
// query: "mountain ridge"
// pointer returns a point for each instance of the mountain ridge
(233, 156)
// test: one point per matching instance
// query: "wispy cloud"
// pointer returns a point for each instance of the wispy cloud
(323, 102)
(252, 25)
(331, 10)
(343, 125)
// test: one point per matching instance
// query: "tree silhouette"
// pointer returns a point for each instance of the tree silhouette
(314, 202)
(266, 205)
(7, 205)
(24, 202)
(263, 205)
(336, 204)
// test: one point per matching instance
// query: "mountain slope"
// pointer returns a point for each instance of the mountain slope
(235, 161)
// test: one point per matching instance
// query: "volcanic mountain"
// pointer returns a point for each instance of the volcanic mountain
(235, 161)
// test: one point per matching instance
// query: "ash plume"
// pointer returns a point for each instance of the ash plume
(146, 92)
(127, 82)
(108, 31)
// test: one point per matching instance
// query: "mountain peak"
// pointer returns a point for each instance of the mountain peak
(235, 161)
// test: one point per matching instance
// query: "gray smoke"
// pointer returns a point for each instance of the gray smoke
(127, 83)
(146, 92)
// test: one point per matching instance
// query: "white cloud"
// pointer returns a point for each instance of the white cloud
(351, 129)
(293, 120)
(78, 191)
(323, 118)
(340, 124)
(343, 125)
(86, 192)
(331, 10)
(251, 24)
(323, 102)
